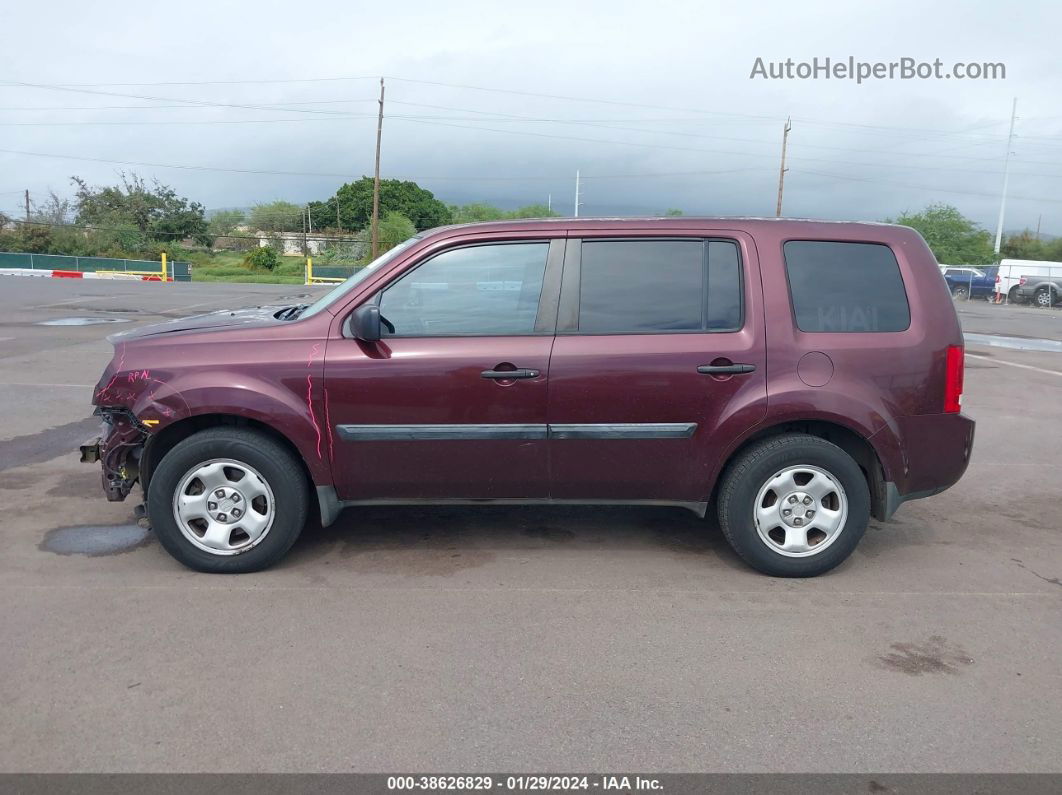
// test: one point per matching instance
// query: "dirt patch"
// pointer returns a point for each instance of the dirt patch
(934, 656)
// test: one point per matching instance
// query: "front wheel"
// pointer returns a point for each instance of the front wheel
(960, 293)
(228, 500)
(794, 505)
(1044, 297)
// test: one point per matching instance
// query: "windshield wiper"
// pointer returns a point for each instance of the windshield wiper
(291, 312)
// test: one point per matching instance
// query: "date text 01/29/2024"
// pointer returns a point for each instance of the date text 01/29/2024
(523, 783)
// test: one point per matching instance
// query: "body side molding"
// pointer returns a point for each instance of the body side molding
(472, 432)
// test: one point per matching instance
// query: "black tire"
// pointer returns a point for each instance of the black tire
(752, 469)
(1015, 297)
(281, 471)
(1044, 297)
(959, 293)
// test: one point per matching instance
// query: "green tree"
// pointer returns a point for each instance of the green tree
(263, 258)
(224, 222)
(533, 211)
(156, 210)
(1024, 245)
(394, 228)
(481, 211)
(476, 211)
(953, 238)
(277, 216)
(355, 205)
(673, 212)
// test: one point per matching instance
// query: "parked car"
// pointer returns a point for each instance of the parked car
(1040, 290)
(798, 376)
(1011, 271)
(969, 282)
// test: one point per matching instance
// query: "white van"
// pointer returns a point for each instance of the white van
(1011, 270)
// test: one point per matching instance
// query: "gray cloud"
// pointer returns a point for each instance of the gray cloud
(697, 133)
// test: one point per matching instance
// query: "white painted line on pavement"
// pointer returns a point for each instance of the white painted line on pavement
(1014, 364)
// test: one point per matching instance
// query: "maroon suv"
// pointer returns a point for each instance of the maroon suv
(799, 376)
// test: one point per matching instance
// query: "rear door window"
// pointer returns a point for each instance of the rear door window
(845, 287)
(656, 286)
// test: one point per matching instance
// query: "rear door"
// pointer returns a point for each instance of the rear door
(657, 367)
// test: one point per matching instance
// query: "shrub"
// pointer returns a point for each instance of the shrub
(264, 258)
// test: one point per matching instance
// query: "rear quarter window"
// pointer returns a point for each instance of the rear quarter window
(845, 287)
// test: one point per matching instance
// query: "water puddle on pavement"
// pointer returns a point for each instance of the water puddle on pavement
(1015, 343)
(82, 321)
(94, 541)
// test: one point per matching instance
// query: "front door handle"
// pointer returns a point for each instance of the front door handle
(726, 369)
(505, 375)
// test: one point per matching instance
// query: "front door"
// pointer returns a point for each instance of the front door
(451, 402)
(658, 364)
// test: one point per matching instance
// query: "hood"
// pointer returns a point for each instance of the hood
(224, 319)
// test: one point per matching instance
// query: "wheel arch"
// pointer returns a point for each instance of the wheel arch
(856, 444)
(159, 444)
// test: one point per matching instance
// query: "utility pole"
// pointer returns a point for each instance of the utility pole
(549, 204)
(1039, 218)
(339, 226)
(577, 202)
(782, 169)
(27, 206)
(305, 216)
(376, 180)
(1006, 176)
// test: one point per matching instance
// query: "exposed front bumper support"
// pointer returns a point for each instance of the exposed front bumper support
(118, 449)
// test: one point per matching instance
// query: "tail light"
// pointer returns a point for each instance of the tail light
(1021, 280)
(998, 280)
(953, 373)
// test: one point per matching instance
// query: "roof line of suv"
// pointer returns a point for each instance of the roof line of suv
(682, 221)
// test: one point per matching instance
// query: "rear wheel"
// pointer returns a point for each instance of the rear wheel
(228, 500)
(794, 505)
(1015, 297)
(960, 292)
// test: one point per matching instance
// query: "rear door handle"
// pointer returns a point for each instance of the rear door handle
(505, 375)
(726, 369)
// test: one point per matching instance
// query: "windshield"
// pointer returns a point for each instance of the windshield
(358, 277)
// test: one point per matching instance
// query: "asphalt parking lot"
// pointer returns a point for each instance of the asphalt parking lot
(545, 640)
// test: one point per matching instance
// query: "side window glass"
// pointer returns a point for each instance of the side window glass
(484, 290)
(845, 287)
(647, 286)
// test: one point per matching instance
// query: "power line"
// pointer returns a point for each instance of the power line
(83, 88)
(931, 189)
(464, 178)
(156, 233)
(656, 146)
(205, 82)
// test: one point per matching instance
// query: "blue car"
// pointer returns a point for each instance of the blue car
(966, 281)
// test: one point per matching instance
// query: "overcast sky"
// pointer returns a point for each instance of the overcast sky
(651, 102)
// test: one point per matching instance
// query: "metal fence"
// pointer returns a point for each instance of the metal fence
(329, 274)
(175, 271)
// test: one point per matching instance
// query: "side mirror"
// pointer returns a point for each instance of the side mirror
(365, 323)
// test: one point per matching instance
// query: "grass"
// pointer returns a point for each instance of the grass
(227, 266)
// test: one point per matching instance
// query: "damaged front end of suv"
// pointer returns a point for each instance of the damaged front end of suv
(129, 399)
(119, 448)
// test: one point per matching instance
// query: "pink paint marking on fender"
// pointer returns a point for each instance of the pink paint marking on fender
(328, 424)
(313, 418)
